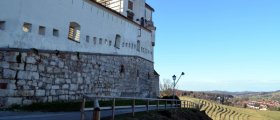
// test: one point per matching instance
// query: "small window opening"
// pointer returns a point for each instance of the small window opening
(138, 46)
(27, 27)
(94, 40)
(42, 30)
(137, 73)
(117, 41)
(87, 39)
(122, 69)
(74, 31)
(130, 5)
(126, 44)
(55, 32)
(139, 32)
(2, 25)
(149, 76)
(123, 44)
(100, 41)
(3, 85)
(153, 44)
(106, 41)
(110, 43)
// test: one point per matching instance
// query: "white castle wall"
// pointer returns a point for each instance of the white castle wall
(95, 21)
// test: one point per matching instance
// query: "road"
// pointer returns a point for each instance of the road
(62, 115)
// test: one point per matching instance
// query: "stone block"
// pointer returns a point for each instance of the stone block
(23, 93)
(11, 56)
(53, 92)
(17, 66)
(40, 93)
(59, 81)
(4, 93)
(28, 75)
(41, 68)
(31, 67)
(49, 70)
(30, 60)
(55, 87)
(65, 86)
(63, 97)
(60, 64)
(14, 100)
(73, 87)
(12, 86)
(9, 74)
(50, 99)
(53, 63)
(4, 64)
(27, 102)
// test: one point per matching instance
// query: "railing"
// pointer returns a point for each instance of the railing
(96, 108)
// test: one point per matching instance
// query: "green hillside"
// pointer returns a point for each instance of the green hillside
(222, 112)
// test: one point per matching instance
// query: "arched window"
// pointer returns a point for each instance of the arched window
(117, 41)
(138, 45)
(74, 31)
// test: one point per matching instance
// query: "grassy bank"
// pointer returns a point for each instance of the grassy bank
(218, 111)
(178, 114)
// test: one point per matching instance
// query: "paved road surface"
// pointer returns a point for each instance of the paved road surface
(61, 115)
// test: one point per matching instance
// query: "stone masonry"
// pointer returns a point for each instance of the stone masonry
(28, 76)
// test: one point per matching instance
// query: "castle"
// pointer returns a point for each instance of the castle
(53, 50)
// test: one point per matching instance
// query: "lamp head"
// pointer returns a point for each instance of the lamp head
(182, 73)
(174, 77)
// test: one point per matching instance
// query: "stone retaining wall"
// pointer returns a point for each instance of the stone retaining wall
(28, 76)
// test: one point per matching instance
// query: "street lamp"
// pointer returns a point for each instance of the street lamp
(175, 83)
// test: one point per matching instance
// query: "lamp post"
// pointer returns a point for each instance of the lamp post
(175, 83)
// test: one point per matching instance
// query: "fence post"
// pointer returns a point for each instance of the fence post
(96, 111)
(133, 107)
(165, 104)
(82, 109)
(113, 109)
(157, 105)
(147, 106)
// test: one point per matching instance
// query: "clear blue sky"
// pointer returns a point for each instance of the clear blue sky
(231, 45)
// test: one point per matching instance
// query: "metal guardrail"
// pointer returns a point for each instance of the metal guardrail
(96, 109)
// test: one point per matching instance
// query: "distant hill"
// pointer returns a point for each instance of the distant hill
(274, 95)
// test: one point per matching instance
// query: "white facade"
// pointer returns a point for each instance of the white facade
(49, 22)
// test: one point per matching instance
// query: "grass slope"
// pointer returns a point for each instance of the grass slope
(222, 112)
(178, 114)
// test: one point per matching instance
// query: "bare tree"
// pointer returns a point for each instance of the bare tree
(166, 88)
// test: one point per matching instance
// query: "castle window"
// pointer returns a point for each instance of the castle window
(123, 44)
(117, 41)
(94, 40)
(87, 39)
(55, 32)
(2, 25)
(137, 73)
(74, 31)
(139, 32)
(42, 30)
(106, 41)
(138, 46)
(110, 43)
(130, 5)
(122, 69)
(100, 41)
(27, 27)
(153, 44)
